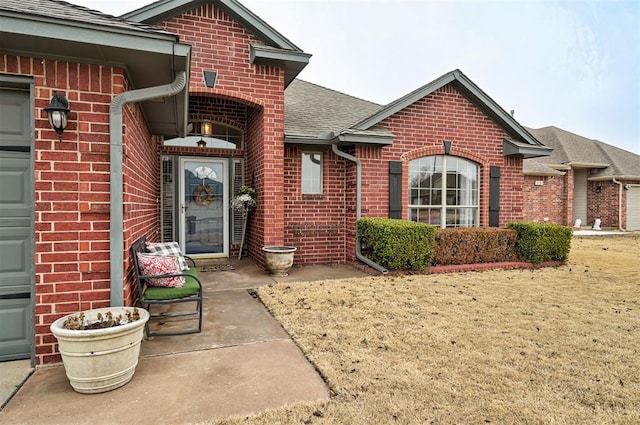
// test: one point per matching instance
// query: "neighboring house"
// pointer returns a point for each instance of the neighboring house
(583, 179)
(176, 105)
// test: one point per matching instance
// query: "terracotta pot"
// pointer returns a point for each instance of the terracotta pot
(279, 259)
(99, 360)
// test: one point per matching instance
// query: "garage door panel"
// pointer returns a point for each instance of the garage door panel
(15, 329)
(16, 224)
(15, 273)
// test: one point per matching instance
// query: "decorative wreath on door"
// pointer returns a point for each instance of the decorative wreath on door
(203, 195)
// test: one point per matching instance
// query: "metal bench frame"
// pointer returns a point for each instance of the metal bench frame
(141, 246)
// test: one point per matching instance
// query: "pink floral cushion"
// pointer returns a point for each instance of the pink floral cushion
(160, 264)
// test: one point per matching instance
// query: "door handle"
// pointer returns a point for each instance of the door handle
(184, 208)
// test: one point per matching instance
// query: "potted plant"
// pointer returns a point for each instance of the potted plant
(100, 347)
(244, 201)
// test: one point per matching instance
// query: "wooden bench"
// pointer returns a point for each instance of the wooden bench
(149, 295)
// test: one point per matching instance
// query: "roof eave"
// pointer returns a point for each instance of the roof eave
(149, 58)
(293, 61)
(544, 173)
(512, 147)
(617, 177)
(367, 139)
(575, 164)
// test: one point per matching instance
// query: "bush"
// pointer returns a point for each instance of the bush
(540, 242)
(473, 245)
(398, 244)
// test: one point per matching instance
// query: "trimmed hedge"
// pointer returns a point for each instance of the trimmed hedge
(474, 245)
(540, 242)
(398, 244)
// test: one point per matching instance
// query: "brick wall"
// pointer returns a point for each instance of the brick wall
(315, 223)
(71, 190)
(545, 202)
(222, 45)
(419, 131)
(447, 115)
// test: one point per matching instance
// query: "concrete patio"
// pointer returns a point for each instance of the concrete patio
(243, 362)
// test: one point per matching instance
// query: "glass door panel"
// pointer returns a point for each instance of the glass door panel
(204, 215)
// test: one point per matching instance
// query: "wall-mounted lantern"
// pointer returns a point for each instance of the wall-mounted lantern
(57, 112)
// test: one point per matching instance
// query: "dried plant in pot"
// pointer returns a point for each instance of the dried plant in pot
(100, 347)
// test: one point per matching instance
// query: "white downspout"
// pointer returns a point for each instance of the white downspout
(359, 256)
(116, 229)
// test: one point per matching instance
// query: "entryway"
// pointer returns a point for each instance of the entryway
(204, 212)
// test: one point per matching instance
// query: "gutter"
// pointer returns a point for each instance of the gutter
(116, 229)
(359, 256)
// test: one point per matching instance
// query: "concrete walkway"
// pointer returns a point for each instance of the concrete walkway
(242, 363)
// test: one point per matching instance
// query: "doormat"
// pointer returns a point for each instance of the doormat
(216, 268)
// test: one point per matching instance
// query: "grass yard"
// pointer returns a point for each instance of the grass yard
(553, 346)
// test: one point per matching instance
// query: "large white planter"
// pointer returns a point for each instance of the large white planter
(279, 259)
(99, 360)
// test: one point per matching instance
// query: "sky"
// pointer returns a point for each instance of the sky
(571, 64)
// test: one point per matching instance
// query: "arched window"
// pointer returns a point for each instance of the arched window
(207, 134)
(443, 191)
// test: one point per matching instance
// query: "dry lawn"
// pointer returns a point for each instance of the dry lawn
(553, 346)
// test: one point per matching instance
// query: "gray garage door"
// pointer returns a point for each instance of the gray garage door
(633, 208)
(16, 223)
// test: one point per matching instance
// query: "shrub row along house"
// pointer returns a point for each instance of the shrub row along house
(174, 106)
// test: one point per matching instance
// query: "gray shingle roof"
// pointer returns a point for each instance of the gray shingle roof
(570, 148)
(57, 9)
(310, 109)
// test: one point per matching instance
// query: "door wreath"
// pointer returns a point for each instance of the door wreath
(203, 195)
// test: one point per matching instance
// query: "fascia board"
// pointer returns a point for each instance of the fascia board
(403, 102)
(258, 53)
(303, 140)
(510, 147)
(618, 177)
(89, 34)
(260, 28)
(467, 87)
(588, 165)
(366, 139)
(544, 173)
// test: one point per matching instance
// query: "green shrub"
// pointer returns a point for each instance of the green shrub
(473, 245)
(398, 244)
(540, 242)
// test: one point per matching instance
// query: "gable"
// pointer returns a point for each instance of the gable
(519, 142)
(273, 48)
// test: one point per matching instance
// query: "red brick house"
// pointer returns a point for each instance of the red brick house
(583, 179)
(178, 97)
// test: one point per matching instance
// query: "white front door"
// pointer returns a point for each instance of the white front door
(204, 207)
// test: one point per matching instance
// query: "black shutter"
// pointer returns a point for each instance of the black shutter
(494, 196)
(395, 189)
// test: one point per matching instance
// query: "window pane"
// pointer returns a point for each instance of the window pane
(426, 197)
(311, 172)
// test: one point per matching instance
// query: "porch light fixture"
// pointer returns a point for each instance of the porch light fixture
(201, 143)
(57, 112)
(206, 128)
(447, 146)
(598, 189)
